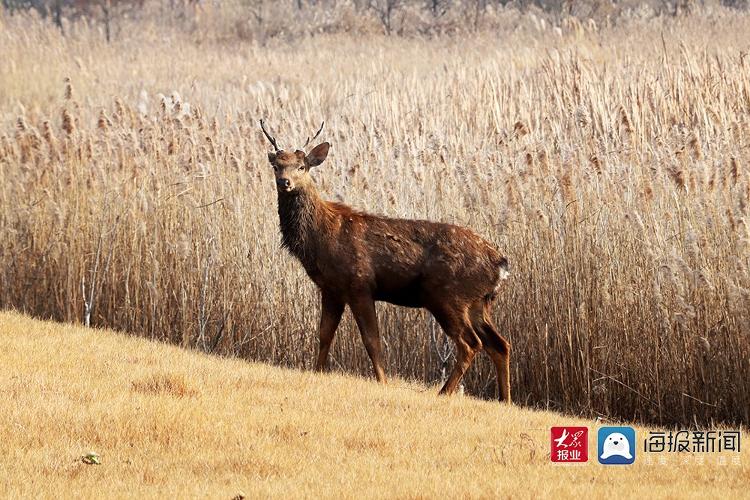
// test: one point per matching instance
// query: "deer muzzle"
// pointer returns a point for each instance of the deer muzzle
(284, 184)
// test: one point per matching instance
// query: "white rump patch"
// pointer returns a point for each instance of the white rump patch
(504, 273)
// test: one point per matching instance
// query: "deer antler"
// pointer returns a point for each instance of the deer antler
(270, 138)
(316, 135)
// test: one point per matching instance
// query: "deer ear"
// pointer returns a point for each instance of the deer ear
(317, 155)
(271, 157)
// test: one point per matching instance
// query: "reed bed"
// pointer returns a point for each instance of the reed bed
(609, 163)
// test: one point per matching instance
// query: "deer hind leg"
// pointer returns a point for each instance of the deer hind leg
(455, 322)
(330, 316)
(497, 347)
(367, 321)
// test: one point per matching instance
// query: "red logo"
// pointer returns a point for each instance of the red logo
(569, 445)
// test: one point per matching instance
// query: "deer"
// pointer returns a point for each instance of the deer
(357, 259)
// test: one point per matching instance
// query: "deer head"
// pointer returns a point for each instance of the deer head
(292, 169)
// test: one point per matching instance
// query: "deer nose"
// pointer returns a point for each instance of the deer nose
(283, 183)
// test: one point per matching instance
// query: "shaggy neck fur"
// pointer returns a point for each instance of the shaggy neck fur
(302, 215)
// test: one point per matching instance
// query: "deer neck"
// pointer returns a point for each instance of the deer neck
(301, 213)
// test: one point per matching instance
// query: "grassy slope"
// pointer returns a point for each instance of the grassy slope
(172, 422)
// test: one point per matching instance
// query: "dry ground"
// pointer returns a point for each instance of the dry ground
(170, 422)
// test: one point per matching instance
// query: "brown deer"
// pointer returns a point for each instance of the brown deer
(356, 259)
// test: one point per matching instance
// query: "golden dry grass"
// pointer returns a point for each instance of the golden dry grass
(609, 163)
(168, 422)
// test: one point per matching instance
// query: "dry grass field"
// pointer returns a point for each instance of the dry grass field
(611, 163)
(168, 422)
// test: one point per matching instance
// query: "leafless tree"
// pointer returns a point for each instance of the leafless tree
(385, 10)
(437, 8)
(478, 8)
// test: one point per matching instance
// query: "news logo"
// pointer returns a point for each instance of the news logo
(720, 446)
(569, 445)
(616, 445)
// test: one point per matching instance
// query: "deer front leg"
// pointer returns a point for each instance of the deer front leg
(330, 316)
(367, 321)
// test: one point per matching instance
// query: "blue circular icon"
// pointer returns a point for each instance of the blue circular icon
(616, 445)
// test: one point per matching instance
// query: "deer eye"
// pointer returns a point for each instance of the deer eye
(302, 167)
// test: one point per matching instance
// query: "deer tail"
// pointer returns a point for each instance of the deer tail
(503, 274)
(504, 268)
